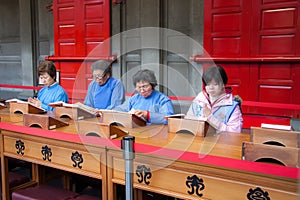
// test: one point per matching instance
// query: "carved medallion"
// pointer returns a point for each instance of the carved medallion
(20, 147)
(77, 159)
(195, 185)
(258, 194)
(46, 151)
(143, 173)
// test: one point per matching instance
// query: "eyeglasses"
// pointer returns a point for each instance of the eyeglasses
(143, 87)
(99, 77)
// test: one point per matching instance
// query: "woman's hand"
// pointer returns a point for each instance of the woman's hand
(206, 110)
(141, 113)
(35, 102)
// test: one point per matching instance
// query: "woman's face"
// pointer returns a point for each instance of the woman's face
(46, 79)
(100, 77)
(143, 88)
(214, 89)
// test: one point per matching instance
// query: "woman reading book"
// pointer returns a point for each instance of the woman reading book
(216, 103)
(148, 103)
(52, 91)
(105, 91)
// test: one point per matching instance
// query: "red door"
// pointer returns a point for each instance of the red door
(81, 30)
(256, 41)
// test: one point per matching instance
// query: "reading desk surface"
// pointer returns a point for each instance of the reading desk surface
(213, 163)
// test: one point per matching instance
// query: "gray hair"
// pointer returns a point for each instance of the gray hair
(103, 65)
(145, 75)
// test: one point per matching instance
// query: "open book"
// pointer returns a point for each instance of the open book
(276, 126)
(76, 110)
(181, 115)
(2, 105)
(16, 101)
(195, 118)
(62, 104)
(24, 107)
(127, 119)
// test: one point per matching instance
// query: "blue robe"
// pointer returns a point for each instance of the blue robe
(52, 94)
(158, 104)
(106, 96)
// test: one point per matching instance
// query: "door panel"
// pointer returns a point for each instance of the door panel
(169, 52)
(81, 29)
(276, 34)
(260, 29)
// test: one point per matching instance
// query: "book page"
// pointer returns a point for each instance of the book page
(62, 104)
(276, 126)
(181, 115)
(16, 101)
(111, 111)
(132, 111)
(85, 107)
(196, 118)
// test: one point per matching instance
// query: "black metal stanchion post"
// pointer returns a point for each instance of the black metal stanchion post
(128, 154)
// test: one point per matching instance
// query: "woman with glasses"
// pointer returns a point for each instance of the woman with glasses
(148, 103)
(52, 91)
(105, 91)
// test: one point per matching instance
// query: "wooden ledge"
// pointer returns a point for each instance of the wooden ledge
(94, 128)
(122, 118)
(269, 136)
(196, 127)
(73, 113)
(24, 108)
(43, 121)
(288, 156)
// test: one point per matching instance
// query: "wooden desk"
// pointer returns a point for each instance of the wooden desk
(178, 165)
(58, 150)
(8, 117)
(189, 167)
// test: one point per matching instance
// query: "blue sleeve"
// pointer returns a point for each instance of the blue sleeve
(46, 107)
(118, 96)
(123, 107)
(166, 108)
(50, 96)
(89, 98)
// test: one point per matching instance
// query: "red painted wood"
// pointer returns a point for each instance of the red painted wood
(81, 30)
(256, 42)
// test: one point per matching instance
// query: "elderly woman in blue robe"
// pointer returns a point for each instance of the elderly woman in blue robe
(148, 103)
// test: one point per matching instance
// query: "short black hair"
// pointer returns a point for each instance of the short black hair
(47, 67)
(145, 75)
(216, 73)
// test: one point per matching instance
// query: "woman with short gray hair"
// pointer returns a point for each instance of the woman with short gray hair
(148, 103)
(105, 91)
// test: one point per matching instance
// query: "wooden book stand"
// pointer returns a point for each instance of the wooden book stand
(44, 121)
(273, 136)
(125, 119)
(94, 128)
(197, 127)
(25, 108)
(2, 105)
(288, 156)
(73, 113)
